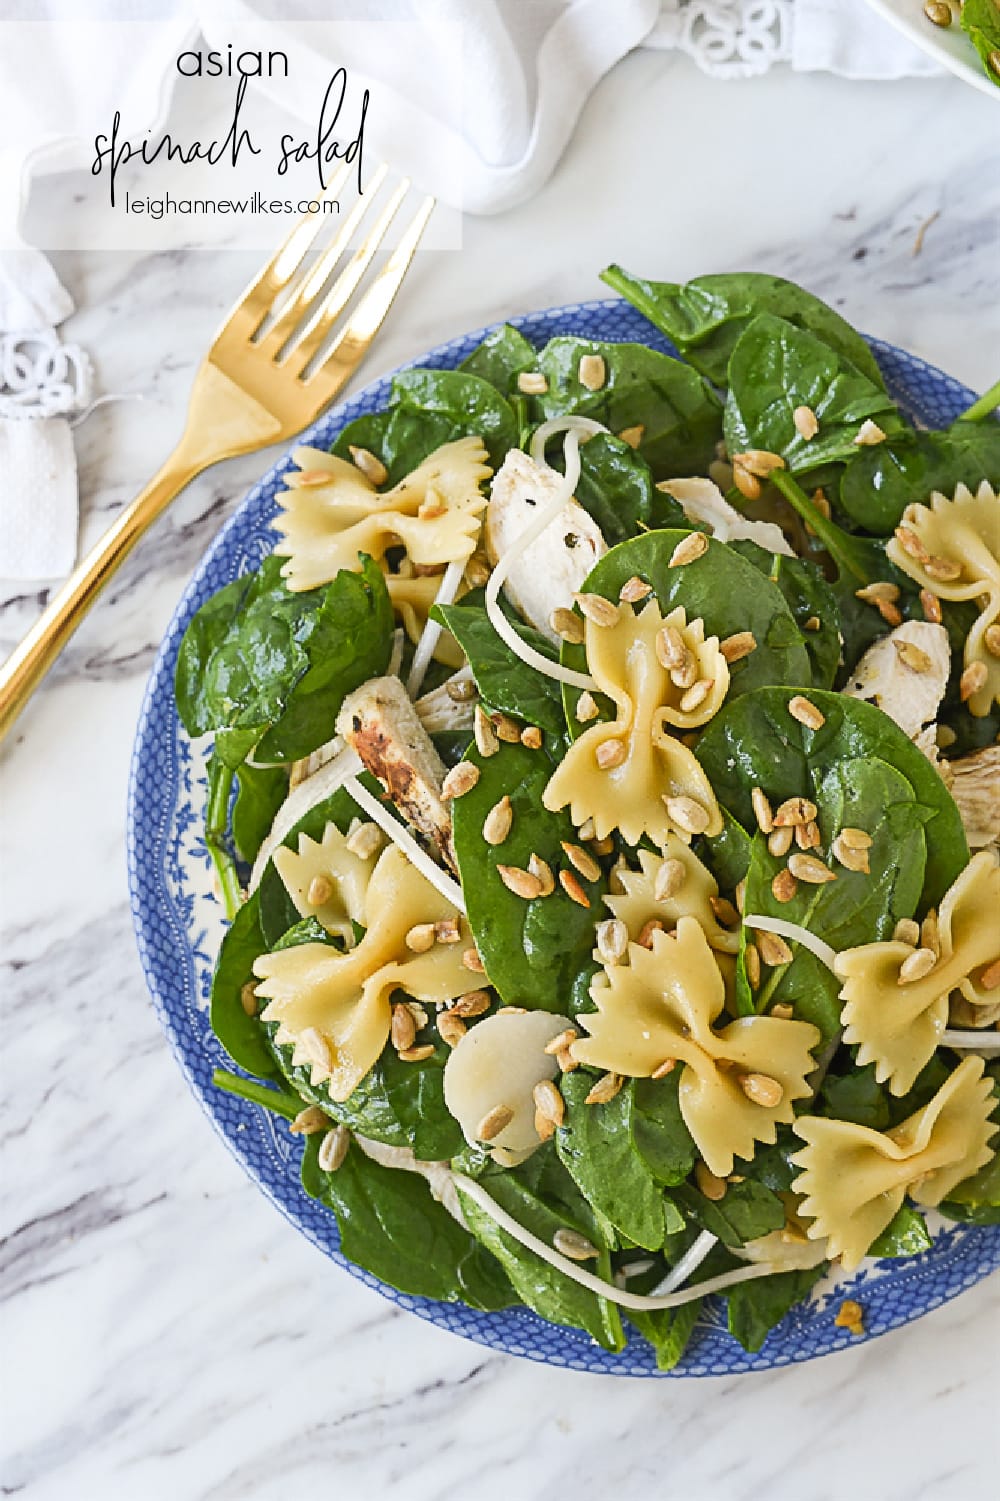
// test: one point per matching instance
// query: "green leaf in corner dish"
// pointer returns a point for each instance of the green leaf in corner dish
(596, 1146)
(391, 1225)
(542, 1197)
(981, 24)
(754, 1308)
(505, 683)
(854, 908)
(616, 487)
(812, 602)
(755, 742)
(723, 589)
(500, 359)
(705, 317)
(679, 416)
(471, 403)
(536, 953)
(776, 367)
(275, 665)
(881, 481)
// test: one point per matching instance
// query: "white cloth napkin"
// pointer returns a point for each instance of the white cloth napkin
(495, 86)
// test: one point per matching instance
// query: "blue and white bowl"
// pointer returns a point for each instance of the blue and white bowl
(179, 926)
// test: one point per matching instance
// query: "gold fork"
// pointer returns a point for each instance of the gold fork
(257, 385)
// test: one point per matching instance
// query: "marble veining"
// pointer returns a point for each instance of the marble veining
(166, 1334)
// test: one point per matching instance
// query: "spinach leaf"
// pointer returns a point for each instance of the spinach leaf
(596, 1146)
(471, 403)
(811, 601)
(542, 1197)
(390, 1225)
(277, 664)
(727, 855)
(504, 681)
(500, 359)
(905, 1235)
(668, 1330)
(260, 792)
(401, 437)
(981, 23)
(705, 317)
(680, 416)
(776, 367)
(241, 1035)
(855, 1097)
(855, 908)
(616, 487)
(754, 742)
(754, 1308)
(977, 1200)
(534, 951)
(747, 1211)
(881, 481)
(280, 1101)
(721, 588)
(659, 1133)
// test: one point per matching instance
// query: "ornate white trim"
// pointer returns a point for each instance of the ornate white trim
(727, 38)
(42, 377)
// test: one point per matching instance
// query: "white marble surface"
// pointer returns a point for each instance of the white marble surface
(166, 1335)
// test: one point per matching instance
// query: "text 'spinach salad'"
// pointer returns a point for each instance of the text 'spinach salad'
(609, 735)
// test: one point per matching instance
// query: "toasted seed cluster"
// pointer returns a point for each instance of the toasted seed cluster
(883, 595)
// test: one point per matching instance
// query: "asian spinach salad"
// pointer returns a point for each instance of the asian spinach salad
(604, 793)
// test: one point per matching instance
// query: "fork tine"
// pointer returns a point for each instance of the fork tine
(313, 280)
(279, 270)
(351, 344)
(337, 298)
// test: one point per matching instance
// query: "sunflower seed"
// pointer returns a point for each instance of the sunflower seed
(403, 1029)
(633, 436)
(759, 461)
(762, 1090)
(779, 841)
(566, 1061)
(591, 371)
(521, 882)
(670, 648)
(633, 590)
(868, 434)
(694, 546)
(611, 753)
(571, 885)
(725, 912)
(581, 860)
(604, 1090)
(333, 1149)
(451, 1028)
(794, 810)
(806, 423)
(944, 570)
(687, 814)
(472, 960)
(531, 737)
(746, 483)
(696, 695)
(669, 879)
(248, 998)
(462, 692)
(736, 647)
(806, 713)
(532, 383)
(485, 733)
(807, 835)
(497, 824)
(420, 938)
(784, 886)
(597, 609)
(973, 679)
(849, 856)
(561, 1041)
(809, 869)
(549, 1102)
(371, 467)
(460, 780)
(586, 707)
(493, 1122)
(568, 626)
(708, 1184)
(367, 839)
(612, 941)
(320, 891)
(650, 926)
(907, 931)
(773, 949)
(573, 1245)
(916, 965)
(751, 963)
(912, 656)
(542, 872)
(309, 1122)
(762, 810)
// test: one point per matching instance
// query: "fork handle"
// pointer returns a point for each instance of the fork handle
(31, 660)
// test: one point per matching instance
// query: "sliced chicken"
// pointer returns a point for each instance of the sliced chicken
(549, 572)
(702, 501)
(905, 674)
(975, 785)
(379, 721)
(439, 712)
